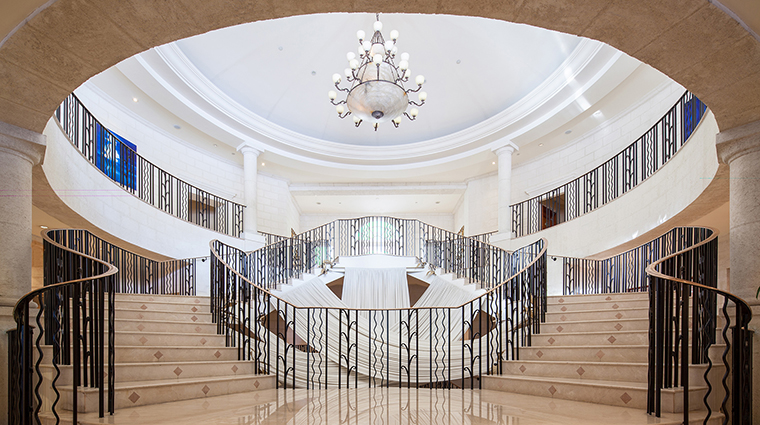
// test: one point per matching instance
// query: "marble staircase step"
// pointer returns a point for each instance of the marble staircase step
(599, 371)
(640, 337)
(168, 339)
(597, 297)
(149, 354)
(191, 317)
(610, 325)
(183, 299)
(588, 353)
(579, 305)
(144, 325)
(177, 307)
(613, 393)
(141, 393)
(620, 313)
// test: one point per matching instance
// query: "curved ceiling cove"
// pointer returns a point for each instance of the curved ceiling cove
(281, 70)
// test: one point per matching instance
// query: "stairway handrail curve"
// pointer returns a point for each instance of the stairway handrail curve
(532, 262)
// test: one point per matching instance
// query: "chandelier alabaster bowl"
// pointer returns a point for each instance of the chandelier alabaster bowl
(377, 93)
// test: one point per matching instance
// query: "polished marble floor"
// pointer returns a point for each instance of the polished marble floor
(379, 406)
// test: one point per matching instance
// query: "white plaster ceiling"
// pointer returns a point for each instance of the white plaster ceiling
(281, 70)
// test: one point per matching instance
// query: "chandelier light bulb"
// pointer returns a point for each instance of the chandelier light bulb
(414, 112)
(357, 119)
(403, 65)
(360, 35)
(336, 78)
(407, 74)
(405, 56)
(394, 35)
(366, 45)
(340, 109)
(332, 94)
(422, 96)
(377, 59)
(353, 64)
(420, 80)
(348, 72)
(394, 50)
(350, 56)
(397, 120)
(389, 45)
(378, 26)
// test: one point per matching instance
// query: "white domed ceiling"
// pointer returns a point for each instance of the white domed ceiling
(281, 70)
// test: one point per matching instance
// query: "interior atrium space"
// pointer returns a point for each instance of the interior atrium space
(265, 212)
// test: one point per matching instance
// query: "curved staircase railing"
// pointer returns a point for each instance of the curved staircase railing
(615, 177)
(71, 326)
(682, 328)
(427, 347)
(143, 179)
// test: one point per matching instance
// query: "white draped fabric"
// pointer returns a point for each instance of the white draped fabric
(375, 288)
(380, 341)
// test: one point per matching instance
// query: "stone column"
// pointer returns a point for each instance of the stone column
(250, 173)
(20, 150)
(739, 147)
(504, 154)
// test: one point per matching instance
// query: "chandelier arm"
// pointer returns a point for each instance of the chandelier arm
(394, 123)
(344, 115)
(342, 88)
(411, 118)
(411, 102)
(413, 90)
(357, 123)
(342, 102)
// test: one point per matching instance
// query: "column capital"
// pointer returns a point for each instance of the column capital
(250, 148)
(509, 147)
(25, 144)
(738, 141)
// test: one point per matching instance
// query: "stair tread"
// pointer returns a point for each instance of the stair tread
(588, 382)
(164, 382)
(165, 364)
(641, 331)
(605, 310)
(627, 319)
(577, 362)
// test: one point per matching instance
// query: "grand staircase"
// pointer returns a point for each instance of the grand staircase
(167, 350)
(593, 348)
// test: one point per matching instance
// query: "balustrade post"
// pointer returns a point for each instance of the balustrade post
(504, 154)
(253, 240)
(20, 150)
(739, 147)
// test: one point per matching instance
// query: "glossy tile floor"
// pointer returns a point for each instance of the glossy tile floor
(379, 406)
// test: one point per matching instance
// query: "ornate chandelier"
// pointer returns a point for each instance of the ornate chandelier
(377, 92)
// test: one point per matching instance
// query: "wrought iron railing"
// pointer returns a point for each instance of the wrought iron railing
(71, 319)
(484, 237)
(140, 177)
(320, 347)
(625, 272)
(615, 177)
(471, 259)
(271, 237)
(682, 328)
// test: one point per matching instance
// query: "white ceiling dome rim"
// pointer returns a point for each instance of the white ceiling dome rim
(579, 60)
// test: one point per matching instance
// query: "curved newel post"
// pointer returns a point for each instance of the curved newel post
(683, 312)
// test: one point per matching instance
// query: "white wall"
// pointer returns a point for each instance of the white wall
(478, 210)
(277, 211)
(442, 220)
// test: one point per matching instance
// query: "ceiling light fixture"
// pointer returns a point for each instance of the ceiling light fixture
(377, 92)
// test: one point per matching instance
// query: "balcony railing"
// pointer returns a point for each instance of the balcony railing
(140, 177)
(615, 177)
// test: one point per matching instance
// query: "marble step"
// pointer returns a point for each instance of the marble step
(588, 353)
(128, 372)
(142, 393)
(570, 306)
(612, 393)
(168, 339)
(599, 371)
(143, 325)
(590, 338)
(597, 297)
(149, 354)
(161, 306)
(185, 299)
(198, 317)
(620, 313)
(609, 325)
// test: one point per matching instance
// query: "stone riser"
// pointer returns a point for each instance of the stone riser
(618, 314)
(164, 298)
(131, 354)
(164, 392)
(164, 315)
(140, 325)
(597, 305)
(168, 339)
(608, 353)
(578, 339)
(555, 299)
(596, 325)
(157, 306)
(128, 372)
(601, 393)
(598, 371)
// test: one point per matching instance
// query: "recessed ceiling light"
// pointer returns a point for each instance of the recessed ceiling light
(598, 113)
(43, 227)
(280, 48)
(493, 163)
(540, 144)
(177, 126)
(319, 203)
(313, 72)
(263, 164)
(459, 61)
(134, 99)
(215, 145)
(233, 153)
(437, 202)
(568, 131)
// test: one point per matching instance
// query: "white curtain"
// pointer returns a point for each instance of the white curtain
(375, 288)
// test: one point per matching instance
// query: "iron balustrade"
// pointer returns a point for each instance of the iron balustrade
(615, 177)
(271, 237)
(484, 237)
(142, 178)
(69, 326)
(682, 328)
(318, 346)
(467, 258)
(625, 272)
